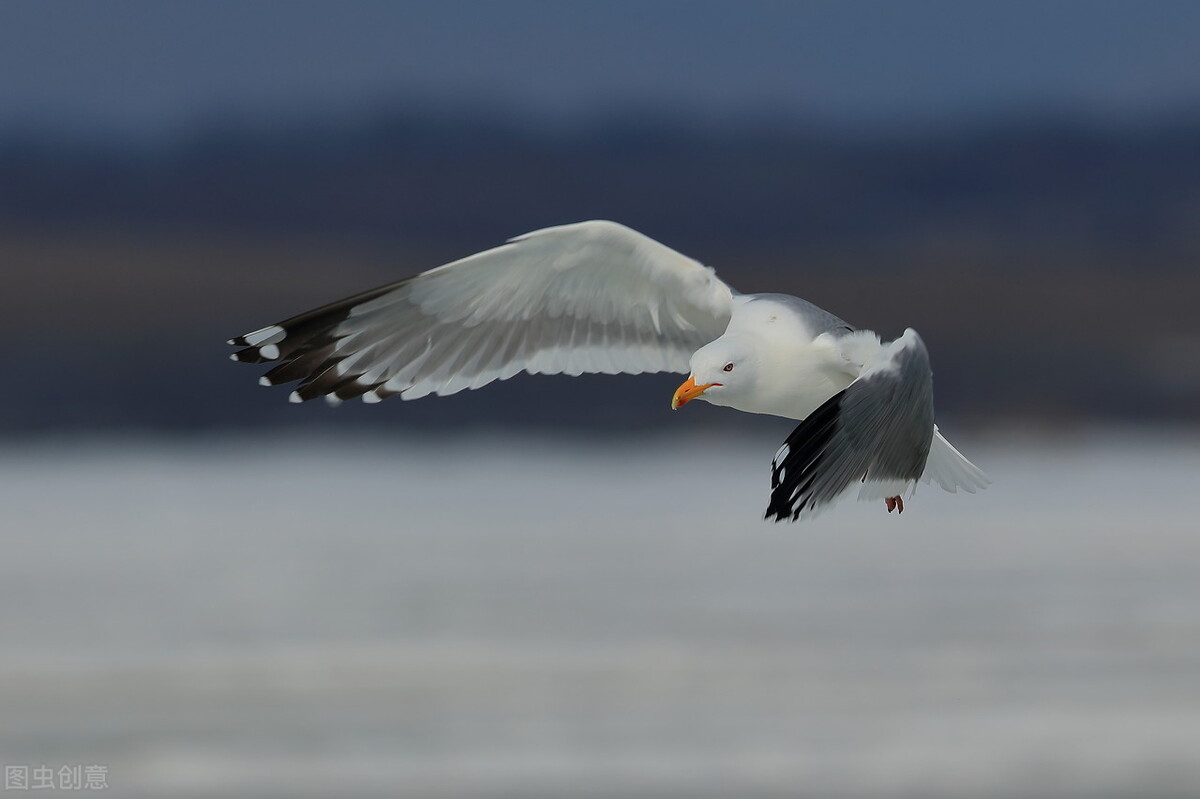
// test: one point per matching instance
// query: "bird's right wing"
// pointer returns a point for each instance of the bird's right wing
(589, 297)
(875, 433)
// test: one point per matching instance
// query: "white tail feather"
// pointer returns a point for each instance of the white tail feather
(947, 468)
(882, 489)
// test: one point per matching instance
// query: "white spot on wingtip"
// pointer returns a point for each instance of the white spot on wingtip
(270, 333)
(333, 400)
(234, 357)
(265, 381)
(371, 398)
(270, 352)
(295, 397)
(231, 342)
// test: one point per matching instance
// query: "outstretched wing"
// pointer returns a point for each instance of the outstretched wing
(588, 297)
(876, 432)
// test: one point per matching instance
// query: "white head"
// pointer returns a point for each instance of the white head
(724, 372)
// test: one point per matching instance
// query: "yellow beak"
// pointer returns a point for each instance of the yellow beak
(688, 392)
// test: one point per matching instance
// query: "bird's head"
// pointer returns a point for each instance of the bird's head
(723, 371)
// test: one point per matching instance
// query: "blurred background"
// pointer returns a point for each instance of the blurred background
(555, 587)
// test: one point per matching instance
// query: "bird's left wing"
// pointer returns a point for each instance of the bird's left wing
(588, 297)
(876, 432)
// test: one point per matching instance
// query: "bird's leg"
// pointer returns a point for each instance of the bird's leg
(895, 503)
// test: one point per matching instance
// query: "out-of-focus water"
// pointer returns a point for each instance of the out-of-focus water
(506, 618)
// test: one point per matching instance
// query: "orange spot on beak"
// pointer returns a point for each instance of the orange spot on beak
(688, 392)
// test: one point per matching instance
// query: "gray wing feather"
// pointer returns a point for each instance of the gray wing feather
(816, 318)
(877, 430)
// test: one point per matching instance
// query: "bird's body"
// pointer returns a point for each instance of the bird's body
(599, 297)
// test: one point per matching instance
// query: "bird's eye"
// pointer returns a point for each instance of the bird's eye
(728, 367)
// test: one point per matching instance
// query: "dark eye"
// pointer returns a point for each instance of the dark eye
(728, 367)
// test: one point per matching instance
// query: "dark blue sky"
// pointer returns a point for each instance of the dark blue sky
(161, 64)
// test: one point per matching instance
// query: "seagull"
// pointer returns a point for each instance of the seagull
(597, 296)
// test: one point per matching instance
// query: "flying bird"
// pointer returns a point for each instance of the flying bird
(600, 297)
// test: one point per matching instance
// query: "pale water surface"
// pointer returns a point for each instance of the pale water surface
(500, 617)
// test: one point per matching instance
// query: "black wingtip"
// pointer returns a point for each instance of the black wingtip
(793, 475)
(304, 348)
